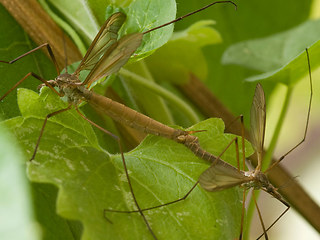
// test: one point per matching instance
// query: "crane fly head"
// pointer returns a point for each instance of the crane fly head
(69, 85)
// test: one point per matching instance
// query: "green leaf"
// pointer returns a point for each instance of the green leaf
(142, 15)
(90, 180)
(102, 8)
(252, 20)
(182, 55)
(53, 226)
(47, 103)
(281, 56)
(17, 219)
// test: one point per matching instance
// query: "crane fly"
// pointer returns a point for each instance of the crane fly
(105, 56)
(221, 175)
(217, 178)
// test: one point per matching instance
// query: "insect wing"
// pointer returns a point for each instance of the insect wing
(221, 176)
(105, 38)
(117, 55)
(258, 121)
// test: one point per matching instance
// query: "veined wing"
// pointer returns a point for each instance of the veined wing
(221, 176)
(106, 37)
(116, 56)
(258, 122)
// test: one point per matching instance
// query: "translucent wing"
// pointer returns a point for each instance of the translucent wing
(106, 37)
(221, 176)
(258, 122)
(116, 56)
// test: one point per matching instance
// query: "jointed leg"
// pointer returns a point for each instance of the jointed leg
(158, 206)
(242, 213)
(280, 216)
(244, 167)
(31, 73)
(125, 169)
(24, 78)
(242, 140)
(179, 199)
(43, 126)
(260, 217)
(33, 50)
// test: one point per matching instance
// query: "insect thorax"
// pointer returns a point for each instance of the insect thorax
(68, 85)
(258, 180)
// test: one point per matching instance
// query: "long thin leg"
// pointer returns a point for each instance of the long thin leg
(237, 153)
(232, 122)
(260, 217)
(24, 78)
(307, 121)
(242, 140)
(65, 53)
(44, 125)
(125, 169)
(280, 216)
(226, 148)
(179, 199)
(243, 144)
(158, 206)
(33, 50)
(244, 168)
(242, 214)
(182, 17)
